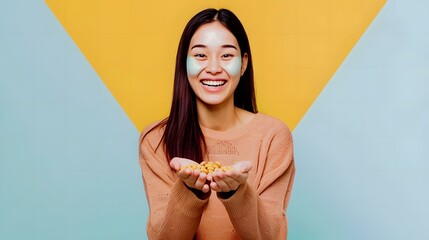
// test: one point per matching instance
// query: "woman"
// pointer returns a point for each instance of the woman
(214, 117)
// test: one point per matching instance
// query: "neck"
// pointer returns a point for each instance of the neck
(220, 117)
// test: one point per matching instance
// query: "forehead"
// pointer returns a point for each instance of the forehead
(213, 34)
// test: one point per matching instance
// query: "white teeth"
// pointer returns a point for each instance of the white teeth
(213, 83)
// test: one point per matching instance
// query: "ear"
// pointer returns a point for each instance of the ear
(244, 60)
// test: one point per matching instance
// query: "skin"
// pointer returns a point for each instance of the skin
(192, 178)
(214, 54)
(195, 66)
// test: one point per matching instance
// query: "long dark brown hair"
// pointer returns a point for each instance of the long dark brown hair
(183, 136)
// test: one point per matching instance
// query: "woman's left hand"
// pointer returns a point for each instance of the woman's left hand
(231, 179)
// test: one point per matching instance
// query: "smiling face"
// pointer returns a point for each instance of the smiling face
(214, 64)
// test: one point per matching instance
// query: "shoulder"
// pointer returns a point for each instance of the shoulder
(277, 138)
(152, 134)
(270, 124)
(273, 132)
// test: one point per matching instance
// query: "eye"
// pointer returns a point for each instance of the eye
(200, 56)
(227, 56)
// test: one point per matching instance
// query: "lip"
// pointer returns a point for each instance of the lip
(213, 79)
(213, 89)
(224, 81)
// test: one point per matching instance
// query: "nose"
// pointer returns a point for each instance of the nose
(213, 67)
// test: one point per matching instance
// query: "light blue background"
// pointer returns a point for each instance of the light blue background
(68, 152)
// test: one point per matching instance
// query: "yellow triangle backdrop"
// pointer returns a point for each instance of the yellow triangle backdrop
(297, 46)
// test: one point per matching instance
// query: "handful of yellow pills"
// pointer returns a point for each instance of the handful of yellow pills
(207, 167)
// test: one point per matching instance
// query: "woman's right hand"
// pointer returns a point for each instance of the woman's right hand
(192, 178)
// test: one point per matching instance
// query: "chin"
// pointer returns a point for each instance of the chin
(212, 101)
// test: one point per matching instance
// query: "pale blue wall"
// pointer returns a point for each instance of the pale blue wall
(362, 150)
(68, 152)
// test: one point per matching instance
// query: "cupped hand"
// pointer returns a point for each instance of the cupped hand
(231, 179)
(192, 178)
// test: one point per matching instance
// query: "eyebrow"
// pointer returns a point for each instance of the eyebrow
(204, 46)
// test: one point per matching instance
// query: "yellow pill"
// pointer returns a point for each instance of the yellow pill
(226, 168)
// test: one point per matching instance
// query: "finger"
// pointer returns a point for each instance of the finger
(196, 173)
(243, 167)
(210, 177)
(184, 174)
(174, 164)
(232, 183)
(203, 175)
(214, 187)
(224, 187)
(205, 188)
(237, 176)
(200, 181)
(219, 174)
(246, 167)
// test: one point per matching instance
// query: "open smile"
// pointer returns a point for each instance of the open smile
(213, 83)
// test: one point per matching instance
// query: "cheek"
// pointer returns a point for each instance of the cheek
(233, 67)
(193, 67)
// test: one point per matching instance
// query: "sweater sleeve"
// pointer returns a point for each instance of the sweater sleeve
(259, 212)
(175, 212)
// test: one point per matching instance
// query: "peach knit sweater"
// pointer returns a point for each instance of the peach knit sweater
(256, 210)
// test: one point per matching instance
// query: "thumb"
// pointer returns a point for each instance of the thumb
(245, 166)
(174, 164)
